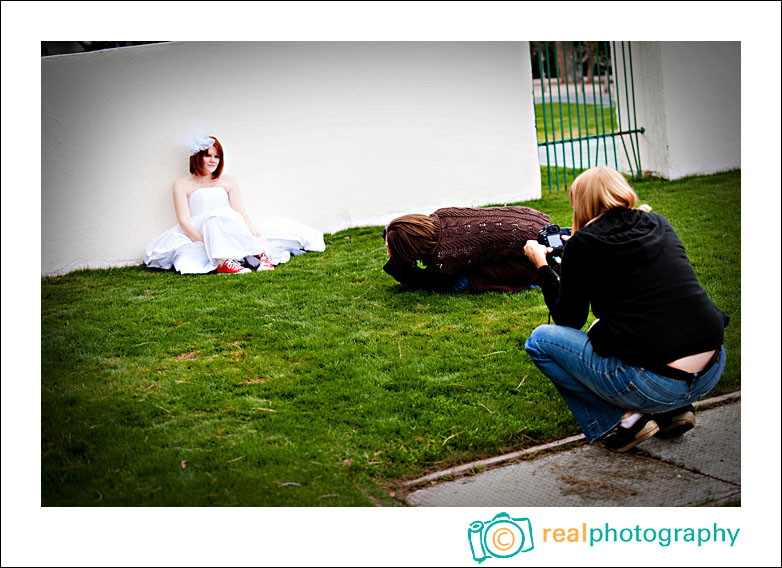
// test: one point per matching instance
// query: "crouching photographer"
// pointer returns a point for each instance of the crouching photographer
(657, 344)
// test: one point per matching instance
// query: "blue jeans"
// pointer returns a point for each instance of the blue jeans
(599, 390)
(462, 284)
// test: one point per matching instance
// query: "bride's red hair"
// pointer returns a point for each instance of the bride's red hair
(197, 160)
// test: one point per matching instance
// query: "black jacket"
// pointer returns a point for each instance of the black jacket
(633, 270)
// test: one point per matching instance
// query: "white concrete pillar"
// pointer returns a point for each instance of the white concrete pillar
(688, 98)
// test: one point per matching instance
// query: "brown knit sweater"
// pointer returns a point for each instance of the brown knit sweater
(484, 244)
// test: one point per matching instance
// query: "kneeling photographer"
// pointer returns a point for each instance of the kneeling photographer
(464, 248)
(657, 343)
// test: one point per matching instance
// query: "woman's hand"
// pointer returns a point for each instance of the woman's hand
(537, 252)
(254, 232)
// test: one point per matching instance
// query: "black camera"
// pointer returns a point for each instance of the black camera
(551, 236)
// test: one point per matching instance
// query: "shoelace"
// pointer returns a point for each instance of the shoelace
(231, 265)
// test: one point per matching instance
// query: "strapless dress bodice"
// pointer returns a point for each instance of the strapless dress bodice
(207, 199)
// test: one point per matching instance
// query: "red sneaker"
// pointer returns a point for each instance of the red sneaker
(266, 263)
(230, 267)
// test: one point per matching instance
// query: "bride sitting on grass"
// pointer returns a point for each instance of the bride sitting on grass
(214, 230)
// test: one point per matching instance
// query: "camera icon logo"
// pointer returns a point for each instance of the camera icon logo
(502, 537)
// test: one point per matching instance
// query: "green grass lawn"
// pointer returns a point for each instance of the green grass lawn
(321, 383)
(582, 120)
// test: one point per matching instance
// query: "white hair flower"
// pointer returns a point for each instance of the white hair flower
(201, 143)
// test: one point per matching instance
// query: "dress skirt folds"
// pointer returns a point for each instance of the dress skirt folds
(226, 235)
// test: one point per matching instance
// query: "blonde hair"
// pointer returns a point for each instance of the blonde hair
(597, 191)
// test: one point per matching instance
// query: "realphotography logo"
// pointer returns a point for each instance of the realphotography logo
(501, 537)
(661, 536)
(504, 537)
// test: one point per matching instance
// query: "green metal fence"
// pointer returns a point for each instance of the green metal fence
(584, 108)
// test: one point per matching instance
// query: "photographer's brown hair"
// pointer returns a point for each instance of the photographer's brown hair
(410, 237)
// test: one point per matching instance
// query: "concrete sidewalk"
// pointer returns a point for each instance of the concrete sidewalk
(703, 467)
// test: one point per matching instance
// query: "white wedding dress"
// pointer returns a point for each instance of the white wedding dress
(226, 235)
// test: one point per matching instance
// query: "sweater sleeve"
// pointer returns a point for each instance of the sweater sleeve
(418, 278)
(567, 298)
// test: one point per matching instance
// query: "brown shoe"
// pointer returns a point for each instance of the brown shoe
(626, 438)
(675, 422)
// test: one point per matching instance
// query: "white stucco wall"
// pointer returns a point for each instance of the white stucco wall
(330, 134)
(688, 97)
